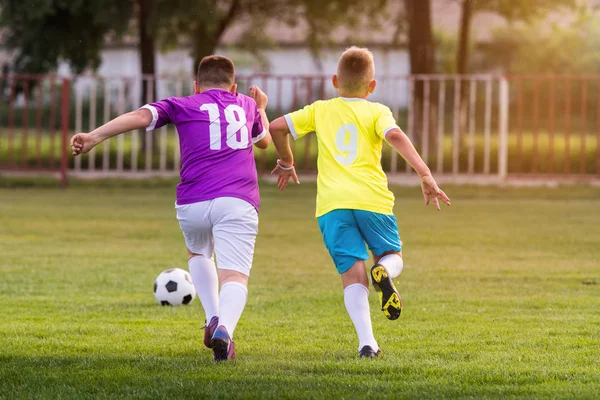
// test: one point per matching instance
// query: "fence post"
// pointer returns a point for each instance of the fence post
(503, 129)
(411, 117)
(65, 100)
(456, 125)
(488, 125)
(78, 118)
(440, 132)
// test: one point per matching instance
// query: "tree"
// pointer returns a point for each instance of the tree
(56, 30)
(422, 58)
(542, 48)
(147, 48)
(203, 23)
(463, 36)
(511, 10)
(199, 23)
(420, 36)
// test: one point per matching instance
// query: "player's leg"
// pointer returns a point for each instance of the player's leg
(197, 232)
(380, 231)
(392, 261)
(235, 229)
(347, 249)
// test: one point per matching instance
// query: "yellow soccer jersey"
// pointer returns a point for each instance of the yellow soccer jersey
(349, 133)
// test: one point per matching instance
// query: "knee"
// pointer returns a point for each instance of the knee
(356, 274)
(191, 255)
(227, 275)
(387, 253)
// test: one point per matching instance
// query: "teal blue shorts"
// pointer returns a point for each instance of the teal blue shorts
(345, 233)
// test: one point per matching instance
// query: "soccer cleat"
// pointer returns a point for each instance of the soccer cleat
(368, 352)
(222, 345)
(391, 303)
(209, 330)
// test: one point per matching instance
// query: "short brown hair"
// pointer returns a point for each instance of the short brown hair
(216, 71)
(356, 69)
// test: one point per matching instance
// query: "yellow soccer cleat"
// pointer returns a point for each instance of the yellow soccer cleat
(389, 298)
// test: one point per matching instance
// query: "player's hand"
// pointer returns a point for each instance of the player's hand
(431, 192)
(82, 143)
(259, 96)
(284, 175)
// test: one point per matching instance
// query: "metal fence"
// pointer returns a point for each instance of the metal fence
(34, 124)
(489, 127)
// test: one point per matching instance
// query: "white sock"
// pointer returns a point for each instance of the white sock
(356, 299)
(232, 301)
(393, 264)
(206, 282)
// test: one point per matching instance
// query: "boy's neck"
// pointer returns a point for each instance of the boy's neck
(206, 89)
(353, 95)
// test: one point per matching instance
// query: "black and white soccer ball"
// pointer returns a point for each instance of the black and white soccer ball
(174, 287)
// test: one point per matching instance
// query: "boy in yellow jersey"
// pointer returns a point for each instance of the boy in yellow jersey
(354, 204)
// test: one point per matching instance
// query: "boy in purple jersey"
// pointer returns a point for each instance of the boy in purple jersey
(217, 199)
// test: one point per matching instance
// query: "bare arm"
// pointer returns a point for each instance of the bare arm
(265, 141)
(81, 143)
(402, 144)
(280, 132)
(285, 165)
(261, 100)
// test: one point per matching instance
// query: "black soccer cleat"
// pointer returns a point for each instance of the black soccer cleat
(368, 352)
(389, 298)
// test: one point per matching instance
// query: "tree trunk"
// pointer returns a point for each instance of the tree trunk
(202, 48)
(148, 64)
(462, 66)
(147, 52)
(422, 58)
(462, 60)
(205, 42)
(420, 36)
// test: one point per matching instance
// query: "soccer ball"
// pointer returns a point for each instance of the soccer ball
(174, 287)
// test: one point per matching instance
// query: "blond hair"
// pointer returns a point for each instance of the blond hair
(356, 69)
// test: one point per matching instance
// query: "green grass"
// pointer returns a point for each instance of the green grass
(500, 291)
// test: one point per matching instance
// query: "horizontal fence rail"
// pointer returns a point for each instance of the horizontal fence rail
(486, 125)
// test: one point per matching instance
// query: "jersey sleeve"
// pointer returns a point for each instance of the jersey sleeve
(385, 122)
(258, 130)
(301, 122)
(162, 113)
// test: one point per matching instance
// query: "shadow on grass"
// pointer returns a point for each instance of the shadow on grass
(258, 376)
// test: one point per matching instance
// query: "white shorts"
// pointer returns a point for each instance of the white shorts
(225, 225)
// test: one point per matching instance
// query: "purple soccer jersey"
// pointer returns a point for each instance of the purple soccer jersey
(216, 131)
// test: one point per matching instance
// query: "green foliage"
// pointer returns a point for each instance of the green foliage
(203, 23)
(512, 11)
(323, 17)
(523, 10)
(500, 293)
(545, 47)
(446, 47)
(50, 30)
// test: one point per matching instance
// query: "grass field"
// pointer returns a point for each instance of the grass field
(501, 295)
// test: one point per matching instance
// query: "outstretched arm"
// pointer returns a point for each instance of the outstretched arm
(402, 144)
(285, 165)
(82, 143)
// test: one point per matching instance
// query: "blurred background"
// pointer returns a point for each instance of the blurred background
(489, 90)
